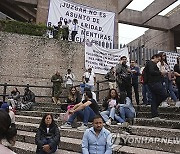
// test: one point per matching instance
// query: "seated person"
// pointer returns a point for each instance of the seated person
(93, 94)
(14, 98)
(48, 136)
(109, 105)
(86, 109)
(6, 132)
(28, 99)
(5, 107)
(125, 109)
(72, 99)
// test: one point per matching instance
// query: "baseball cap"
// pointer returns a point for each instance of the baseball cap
(5, 106)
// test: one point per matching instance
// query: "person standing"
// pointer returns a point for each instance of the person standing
(135, 84)
(57, 81)
(154, 80)
(65, 30)
(123, 77)
(97, 139)
(89, 79)
(177, 74)
(69, 79)
(111, 76)
(74, 29)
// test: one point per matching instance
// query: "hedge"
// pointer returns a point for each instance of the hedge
(22, 28)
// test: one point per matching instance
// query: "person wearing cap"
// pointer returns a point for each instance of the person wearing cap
(6, 107)
(93, 94)
(69, 79)
(89, 79)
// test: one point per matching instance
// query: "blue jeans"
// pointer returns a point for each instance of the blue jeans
(47, 141)
(124, 113)
(147, 98)
(87, 115)
(159, 94)
(108, 114)
(91, 87)
(172, 92)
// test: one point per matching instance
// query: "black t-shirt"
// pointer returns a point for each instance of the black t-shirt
(94, 106)
(177, 69)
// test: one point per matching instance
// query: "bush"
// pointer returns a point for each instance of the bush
(22, 28)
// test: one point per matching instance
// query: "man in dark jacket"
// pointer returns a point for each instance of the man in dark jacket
(111, 78)
(154, 81)
(123, 77)
(57, 87)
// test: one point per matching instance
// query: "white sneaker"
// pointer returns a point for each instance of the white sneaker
(82, 127)
(108, 122)
(66, 126)
(124, 124)
(165, 104)
(177, 104)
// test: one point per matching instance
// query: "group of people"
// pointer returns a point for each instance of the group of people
(65, 30)
(158, 81)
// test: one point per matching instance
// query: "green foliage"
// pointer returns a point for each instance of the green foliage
(22, 28)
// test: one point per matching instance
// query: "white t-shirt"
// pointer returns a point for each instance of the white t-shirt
(91, 77)
(5, 150)
(69, 78)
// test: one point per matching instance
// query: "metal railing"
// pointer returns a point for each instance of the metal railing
(6, 85)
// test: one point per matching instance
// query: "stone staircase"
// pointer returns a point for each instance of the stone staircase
(146, 136)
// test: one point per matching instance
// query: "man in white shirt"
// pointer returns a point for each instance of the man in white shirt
(69, 79)
(74, 29)
(89, 79)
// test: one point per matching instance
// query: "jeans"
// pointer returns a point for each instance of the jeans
(124, 113)
(108, 114)
(147, 97)
(171, 92)
(136, 86)
(46, 141)
(87, 115)
(91, 87)
(126, 86)
(159, 94)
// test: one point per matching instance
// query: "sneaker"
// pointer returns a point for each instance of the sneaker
(66, 126)
(82, 127)
(157, 119)
(108, 122)
(165, 104)
(124, 124)
(177, 104)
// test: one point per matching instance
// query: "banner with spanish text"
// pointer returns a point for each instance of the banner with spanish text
(95, 26)
(101, 59)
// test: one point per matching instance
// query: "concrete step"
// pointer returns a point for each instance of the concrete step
(47, 109)
(154, 131)
(171, 109)
(168, 116)
(135, 141)
(175, 124)
(27, 148)
(36, 113)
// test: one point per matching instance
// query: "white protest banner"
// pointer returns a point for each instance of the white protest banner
(101, 59)
(171, 58)
(95, 25)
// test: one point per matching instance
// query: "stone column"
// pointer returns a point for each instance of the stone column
(42, 11)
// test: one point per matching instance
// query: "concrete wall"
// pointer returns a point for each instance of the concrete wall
(154, 39)
(33, 60)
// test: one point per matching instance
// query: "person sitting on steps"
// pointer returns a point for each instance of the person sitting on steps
(86, 110)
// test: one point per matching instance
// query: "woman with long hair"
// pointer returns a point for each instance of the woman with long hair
(48, 136)
(167, 78)
(6, 132)
(109, 105)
